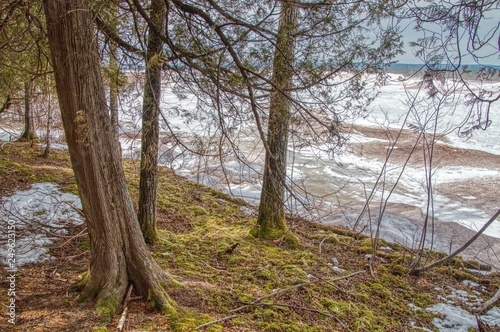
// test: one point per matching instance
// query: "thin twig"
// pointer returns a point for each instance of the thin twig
(333, 285)
(321, 243)
(446, 259)
(72, 238)
(213, 268)
(262, 268)
(256, 301)
(215, 322)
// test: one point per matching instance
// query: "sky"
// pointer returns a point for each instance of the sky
(488, 55)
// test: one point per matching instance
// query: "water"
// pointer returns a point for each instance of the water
(329, 183)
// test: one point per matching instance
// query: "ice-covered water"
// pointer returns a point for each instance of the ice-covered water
(340, 178)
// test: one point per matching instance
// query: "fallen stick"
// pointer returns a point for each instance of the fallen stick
(256, 301)
(121, 323)
(416, 271)
(488, 303)
(214, 322)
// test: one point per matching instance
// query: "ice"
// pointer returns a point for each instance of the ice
(470, 283)
(454, 319)
(8, 134)
(37, 213)
(340, 176)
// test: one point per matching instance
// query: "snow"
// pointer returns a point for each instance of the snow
(452, 317)
(37, 212)
(455, 319)
(7, 135)
(340, 178)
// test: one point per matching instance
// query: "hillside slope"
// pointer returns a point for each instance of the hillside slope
(323, 282)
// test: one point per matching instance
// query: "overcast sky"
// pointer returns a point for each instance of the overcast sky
(488, 54)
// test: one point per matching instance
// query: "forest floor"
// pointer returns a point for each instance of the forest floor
(324, 282)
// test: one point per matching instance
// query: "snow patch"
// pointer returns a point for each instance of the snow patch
(37, 213)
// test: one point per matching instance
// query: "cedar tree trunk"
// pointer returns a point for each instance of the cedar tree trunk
(46, 152)
(271, 223)
(150, 126)
(117, 248)
(113, 93)
(29, 125)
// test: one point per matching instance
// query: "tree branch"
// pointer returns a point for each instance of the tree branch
(108, 31)
(459, 250)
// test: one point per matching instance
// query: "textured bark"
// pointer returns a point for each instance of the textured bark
(29, 124)
(118, 251)
(150, 126)
(46, 152)
(113, 93)
(271, 223)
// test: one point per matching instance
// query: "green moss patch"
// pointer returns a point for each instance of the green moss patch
(233, 281)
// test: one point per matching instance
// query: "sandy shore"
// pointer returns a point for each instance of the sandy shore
(478, 192)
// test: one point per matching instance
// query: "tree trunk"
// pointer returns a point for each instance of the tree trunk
(113, 93)
(118, 251)
(46, 152)
(271, 223)
(29, 124)
(150, 126)
(114, 81)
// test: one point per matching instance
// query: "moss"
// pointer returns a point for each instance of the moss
(217, 283)
(187, 321)
(293, 271)
(291, 241)
(334, 239)
(382, 269)
(392, 281)
(267, 314)
(99, 329)
(397, 269)
(361, 297)
(71, 188)
(380, 291)
(84, 245)
(108, 307)
(84, 278)
(267, 233)
(458, 274)
(422, 300)
(266, 274)
(29, 136)
(475, 265)
(167, 307)
(457, 262)
(327, 303)
(246, 298)
(197, 211)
